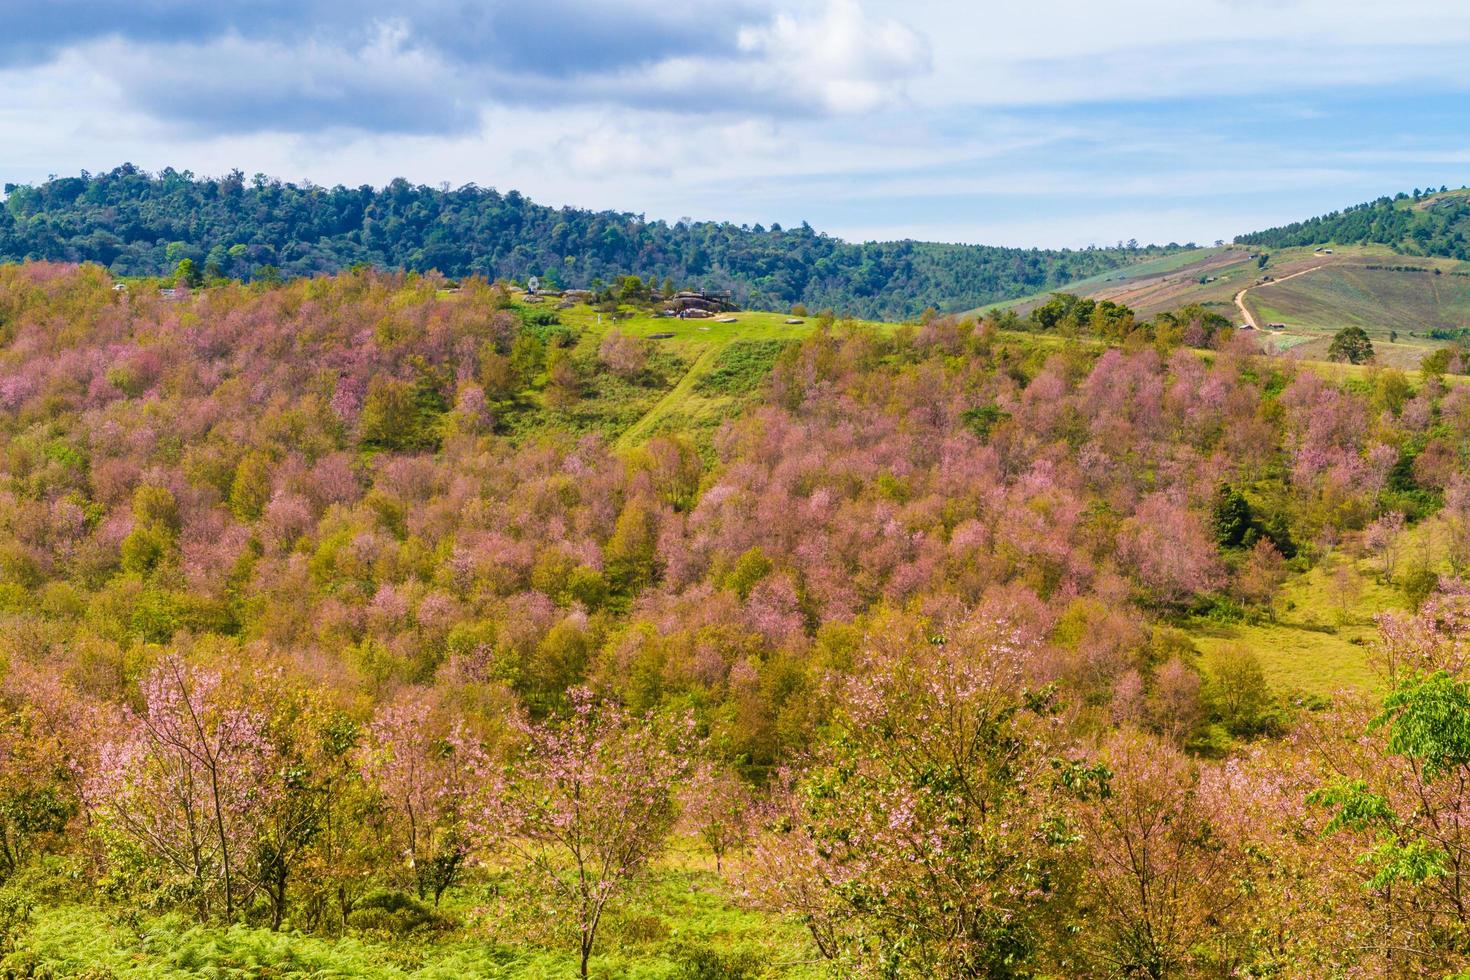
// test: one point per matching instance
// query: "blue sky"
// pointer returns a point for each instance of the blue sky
(1050, 122)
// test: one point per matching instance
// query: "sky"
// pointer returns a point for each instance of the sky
(1056, 123)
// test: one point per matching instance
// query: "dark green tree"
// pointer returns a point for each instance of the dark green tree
(1232, 518)
(186, 273)
(1351, 344)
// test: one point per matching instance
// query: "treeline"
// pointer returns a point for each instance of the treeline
(136, 223)
(1436, 226)
(1079, 316)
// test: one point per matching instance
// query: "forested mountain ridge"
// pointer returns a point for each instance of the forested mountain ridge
(136, 223)
(1425, 222)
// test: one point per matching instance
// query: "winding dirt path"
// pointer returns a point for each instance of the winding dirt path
(1240, 296)
(676, 394)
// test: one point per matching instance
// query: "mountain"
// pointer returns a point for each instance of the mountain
(1421, 223)
(137, 223)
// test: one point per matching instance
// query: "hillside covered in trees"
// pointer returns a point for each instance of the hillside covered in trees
(329, 648)
(135, 224)
(1426, 222)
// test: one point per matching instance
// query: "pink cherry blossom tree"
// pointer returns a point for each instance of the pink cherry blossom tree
(717, 806)
(926, 823)
(429, 773)
(1169, 550)
(590, 804)
(1156, 875)
(185, 778)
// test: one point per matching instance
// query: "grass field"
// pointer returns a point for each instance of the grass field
(698, 931)
(1105, 283)
(1319, 642)
(1315, 646)
(1340, 290)
(682, 402)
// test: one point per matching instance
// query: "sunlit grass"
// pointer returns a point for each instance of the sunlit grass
(695, 912)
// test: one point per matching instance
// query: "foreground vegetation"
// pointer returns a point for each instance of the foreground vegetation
(365, 626)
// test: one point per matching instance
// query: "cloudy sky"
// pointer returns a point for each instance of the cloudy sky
(1039, 122)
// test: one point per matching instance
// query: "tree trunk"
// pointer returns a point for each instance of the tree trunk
(278, 904)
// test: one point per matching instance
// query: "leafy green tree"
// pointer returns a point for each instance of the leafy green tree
(631, 551)
(1232, 518)
(1437, 362)
(1351, 344)
(1237, 693)
(401, 415)
(187, 274)
(632, 289)
(251, 488)
(527, 358)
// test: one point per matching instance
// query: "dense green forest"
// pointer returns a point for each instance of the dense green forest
(136, 223)
(1425, 222)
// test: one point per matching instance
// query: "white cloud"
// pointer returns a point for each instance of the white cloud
(234, 84)
(1066, 51)
(843, 59)
(1045, 122)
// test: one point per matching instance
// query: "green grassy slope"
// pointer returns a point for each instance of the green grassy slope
(699, 926)
(683, 403)
(1316, 646)
(1378, 300)
(1354, 286)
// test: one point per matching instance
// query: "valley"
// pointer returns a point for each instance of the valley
(399, 594)
(761, 490)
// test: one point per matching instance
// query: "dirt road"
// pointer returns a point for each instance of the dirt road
(1240, 296)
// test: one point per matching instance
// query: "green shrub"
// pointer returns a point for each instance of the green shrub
(397, 913)
(983, 418)
(538, 318)
(15, 917)
(1419, 582)
(699, 961)
(1238, 695)
(642, 928)
(402, 416)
